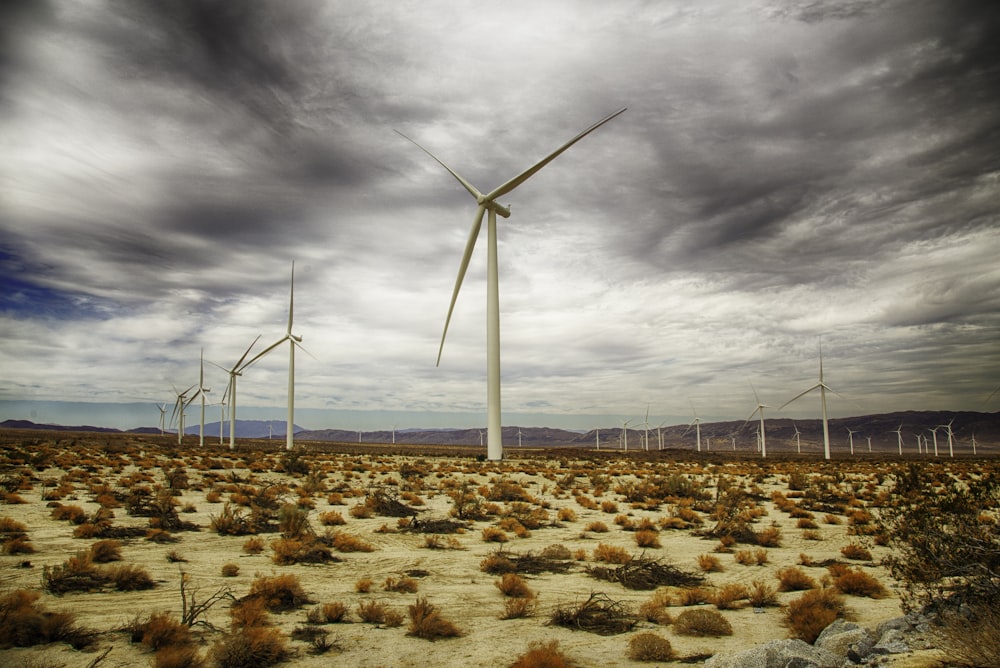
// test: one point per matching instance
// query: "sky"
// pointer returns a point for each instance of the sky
(789, 174)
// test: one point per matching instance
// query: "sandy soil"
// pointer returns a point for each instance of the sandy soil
(454, 581)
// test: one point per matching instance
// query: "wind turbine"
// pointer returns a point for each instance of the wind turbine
(850, 437)
(951, 448)
(696, 423)
(973, 443)
(163, 416)
(934, 435)
(202, 391)
(519, 437)
(624, 438)
(760, 409)
(822, 387)
(899, 437)
(798, 442)
(646, 425)
(486, 203)
(230, 393)
(293, 341)
(179, 407)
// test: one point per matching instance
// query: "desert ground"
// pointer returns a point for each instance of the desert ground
(392, 517)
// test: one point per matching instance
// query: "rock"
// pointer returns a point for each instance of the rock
(778, 654)
(893, 641)
(846, 640)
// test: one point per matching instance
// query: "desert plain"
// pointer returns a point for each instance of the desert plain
(390, 525)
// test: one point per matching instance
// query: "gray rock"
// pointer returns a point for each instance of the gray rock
(893, 641)
(778, 654)
(904, 624)
(846, 640)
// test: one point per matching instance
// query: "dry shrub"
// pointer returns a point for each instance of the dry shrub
(400, 586)
(104, 551)
(331, 518)
(970, 638)
(345, 542)
(494, 535)
(71, 513)
(162, 630)
(709, 563)
(543, 655)
(832, 519)
(729, 596)
(253, 545)
(795, 579)
(426, 622)
(279, 592)
(597, 527)
(24, 623)
(363, 585)
(518, 608)
(649, 646)
(307, 550)
(230, 570)
(859, 583)
(762, 595)
(181, 656)
(647, 538)
(250, 647)
(249, 612)
(654, 609)
(725, 545)
(514, 585)
(811, 535)
(855, 551)
(770, 537)
(18, 545)
(328, 613)
(693, 596)
(609, 506)
(496, 563)
(808, 615)
(372, 612)
(611, 554)
(702, 622)
(566, 515)
(556, 551)
(361, 511)
(598, 614)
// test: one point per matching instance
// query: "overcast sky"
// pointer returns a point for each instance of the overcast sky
(788, 172)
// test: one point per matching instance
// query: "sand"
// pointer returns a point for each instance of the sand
(453, 581)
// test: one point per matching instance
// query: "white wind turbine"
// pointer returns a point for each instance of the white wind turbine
(934, 436)
(760, 409)
(973, 443)
(696, 423)
(798, 435)
(202, 391)
(230, 393)
(822, 387)
(488, 203)
(899, 437)
(163, 416)
(951, 448)
(850, 437)
(179, 407)
(624, 438)
(293, 341)
(646, 425)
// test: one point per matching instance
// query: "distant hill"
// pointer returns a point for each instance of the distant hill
(715, 436)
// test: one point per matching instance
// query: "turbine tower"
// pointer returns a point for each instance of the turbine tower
(179, 407)
(822, 387)
(798, 441)
(202, 391)
(951, 447)
(487, 202)
(899, 437)
(163, 416)
(293, 340)
(696, 423)
(624, 438)
(850, 437)
(230, 393)
(760, 409)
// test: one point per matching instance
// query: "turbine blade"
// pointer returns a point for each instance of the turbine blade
(291, 300)
(468, 186)
(244, 356)
(528, 173)
(800, 395)
(266, 350)
(469, 246)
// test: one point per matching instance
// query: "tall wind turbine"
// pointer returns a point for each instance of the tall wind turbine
(696, 423)
(179, 407)
(850, 437)
(230, 393)
(202, 391)
(487, 202)
(760, 409)
(293, 340)
(899, 437)
(624, 438)
(934, 436)
(822, 387)
(163, 416)
(798, 436)
(947, 427)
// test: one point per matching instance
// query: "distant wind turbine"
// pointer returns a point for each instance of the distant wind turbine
(230, 393)
(293, 341)
(488, 203)
(696, 423)
(798, 442)
(822, 387)
(899, 437)
(519, 437)
(934, 436)
(951, 448)
(973, 443)
(850, 436)
(646, 425)
(179, 407)
(163, 416)
(760, 409)
(202, 391)
(624, 438)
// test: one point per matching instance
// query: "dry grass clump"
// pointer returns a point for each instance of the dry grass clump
(970, 638)
(426, 622)
(751, 557)
(519, 608)
(566, 515)
(230, 570)
(307, 550)
(647, 538)
(363, 585)
(649, 646)
(597, 527)
(130, 577)
(345, 542)
(709, 563)
(859, 583)
(808, 615)
(159, 630)
(278, 592)
(598, 614)
(105, 551)
(693, 596)
(702, 622)
(514, 585)
(71, 513)
(795, 579)
(24, 623)
(331, 518)
(543, 655)
(762, 595)
(654, 609)
(494, 535)
(401, 585)
(328, 613)
(729, 597)
(253, 545)
(645, 574)
(856, 552)
(250, 647)
(611, 554)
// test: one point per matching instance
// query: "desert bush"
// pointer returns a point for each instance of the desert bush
(400, 586)
(345, 542)
(249, 612)
(130, 577)
(426, 622)
(761, 595)
(729, 596)
(376, 612)
(811, 535)
(250, 647)
(253, 545)
(363, 585)
(808, 615)
(232, 521)
(308, 550)
(611, 554)
(709, 563)
(693, 596)
(566, 515)
(859, 583)
(597, 527)
(328, 613)
(830, 518)
(609, 507)
(279, 592)
(494, 535)
(293, 522)
(556, 551)
(519, 608)
(647, 538)
(969, 638)
(18, 545)
(331, 518)
(649, 646)
(159, 630)
(178, 656)
(71, 513)
(806, 523)
(104, 551)
(795, 579)
(855, 551)
(543, 655)
(496, 563)
(702, 622)
(654, 609)
(769, 537)
(230, 570)
(598, 614)
(25, 623)
(751, 557)
(511, 584)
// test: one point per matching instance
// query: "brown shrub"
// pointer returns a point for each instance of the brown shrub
(363, 585)
(859, 583)
(566, 515)
(649, 646)
(693, 596)
(372, 612)
(72, 513)
(762, 595)
(181, 656)
(250, 647)
(611, 554)
(597, 527)
(809, 614)
(729, 596)
(249, 612)
(331, 518)
(230, 570)
(702, 622)
(162, 630)
(426, 622)
(855, 551)
(253, 545)
(795, 579)
(400, 586)
(494, 535)
(328, 613)
(770, 537)
(518, 608)
(654, 609)
(543, 655)
(279, 592)
(647, 538)
(345, 542)
(24, 623)
(130, 577)
(104, 551)
(514, 585)
(709, 563)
